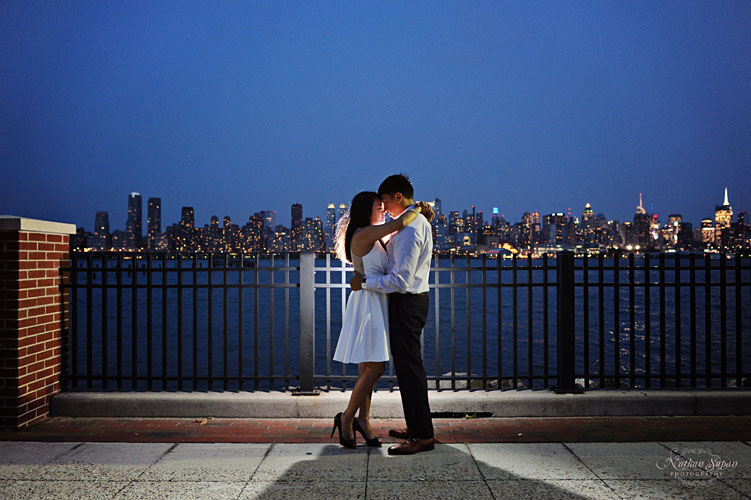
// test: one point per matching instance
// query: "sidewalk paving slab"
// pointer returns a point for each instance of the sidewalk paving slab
(529, 460)
(669, 489)
(328, 490)
(447, 462)
(82, 489)
(104, 461)
(742, 486)
(18, 460)
(440, 490)
(182, 490)
(311, 462)
(551, 489)
(621, 460)
(196, 462)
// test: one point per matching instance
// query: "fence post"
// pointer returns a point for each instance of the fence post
(307, 325)
(565, 322)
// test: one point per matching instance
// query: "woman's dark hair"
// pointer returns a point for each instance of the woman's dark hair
(398, 183)
(358, 216)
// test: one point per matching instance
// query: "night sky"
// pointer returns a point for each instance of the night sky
(235, 107)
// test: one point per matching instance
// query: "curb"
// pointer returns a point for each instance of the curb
(387, 404)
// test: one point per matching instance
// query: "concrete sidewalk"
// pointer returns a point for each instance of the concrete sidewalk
(599, 445)
(556, 470)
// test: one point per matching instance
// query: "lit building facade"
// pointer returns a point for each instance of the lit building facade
(707, 232)
(723, 217)
(330, 226)
(101, 240)
(312, 236)
(154, 223)
(296, 226)
(134, 225)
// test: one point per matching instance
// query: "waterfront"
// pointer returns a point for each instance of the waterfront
(269, 343)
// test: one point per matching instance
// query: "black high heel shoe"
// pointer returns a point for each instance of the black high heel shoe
(347, 443)
(374, 441)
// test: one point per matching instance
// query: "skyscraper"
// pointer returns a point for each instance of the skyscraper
(642, 225)
(454, 222)
(589, 225)
(296, 226)
(135, 219)
(640, 208)
(707, 231)
(440, 232)
(330, 226)
(723, 216)
(253, 233)
(437, 206)
(188, 218)
(588, 215)
(553, 226)
(685, 235)
(101, 231)
(154, 220)
(495, 219)
(342, 211)
(269, 220)
(312, 235)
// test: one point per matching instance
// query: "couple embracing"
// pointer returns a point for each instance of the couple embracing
(388, 307)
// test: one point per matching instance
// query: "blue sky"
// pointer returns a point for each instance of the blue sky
(235, 107)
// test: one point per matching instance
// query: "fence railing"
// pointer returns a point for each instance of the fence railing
(155, 321)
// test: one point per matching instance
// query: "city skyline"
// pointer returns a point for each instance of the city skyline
(487, 212)
(465, 232)
(235, 107)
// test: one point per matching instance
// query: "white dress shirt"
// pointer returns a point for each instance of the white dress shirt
(410, 251)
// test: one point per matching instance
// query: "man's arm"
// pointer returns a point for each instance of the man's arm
(406, 257)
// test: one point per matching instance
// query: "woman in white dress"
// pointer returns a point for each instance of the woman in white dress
(364, 338)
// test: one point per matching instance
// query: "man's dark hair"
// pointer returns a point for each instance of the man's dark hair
(397, 183)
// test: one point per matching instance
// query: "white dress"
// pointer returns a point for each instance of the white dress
(365, 329)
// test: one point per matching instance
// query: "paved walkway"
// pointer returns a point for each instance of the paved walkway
(515, 458)
(83, 470)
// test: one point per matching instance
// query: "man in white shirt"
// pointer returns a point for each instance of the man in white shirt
(410, 251)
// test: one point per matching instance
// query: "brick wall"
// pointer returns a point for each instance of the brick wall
(31, 323)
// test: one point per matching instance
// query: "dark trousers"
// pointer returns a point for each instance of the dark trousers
(407, 316)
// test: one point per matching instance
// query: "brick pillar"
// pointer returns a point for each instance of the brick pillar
(31, 316)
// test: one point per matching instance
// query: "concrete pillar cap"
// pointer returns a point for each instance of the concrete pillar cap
(15, 223)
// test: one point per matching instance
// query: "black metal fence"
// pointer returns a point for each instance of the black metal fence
(154, 321)
(685, 316)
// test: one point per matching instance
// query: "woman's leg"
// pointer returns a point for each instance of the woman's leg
(366, 379)
(364, 415)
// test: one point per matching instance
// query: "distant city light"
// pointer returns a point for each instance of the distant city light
(470, 234)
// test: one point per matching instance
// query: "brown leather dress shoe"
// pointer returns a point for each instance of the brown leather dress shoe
(399, 433)
(411, 447)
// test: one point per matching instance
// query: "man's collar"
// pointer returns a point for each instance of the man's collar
(404, 210)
